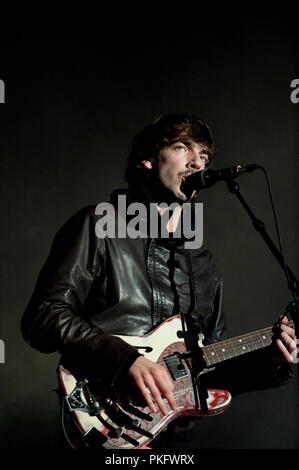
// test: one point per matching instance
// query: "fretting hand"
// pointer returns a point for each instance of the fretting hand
(286, 344)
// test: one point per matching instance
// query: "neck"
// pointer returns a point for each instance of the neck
(174, 219)
(234, 347)
(149, 189)
(159, 193)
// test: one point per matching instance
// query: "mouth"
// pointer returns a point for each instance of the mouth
(184, 187)
(186, 176)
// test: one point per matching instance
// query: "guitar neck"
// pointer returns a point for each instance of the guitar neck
(234, 347)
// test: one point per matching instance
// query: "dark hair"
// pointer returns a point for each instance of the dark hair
(162, 132)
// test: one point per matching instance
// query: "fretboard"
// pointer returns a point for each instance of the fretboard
(234, 347)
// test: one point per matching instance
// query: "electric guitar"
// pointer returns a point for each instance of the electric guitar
(103, 420)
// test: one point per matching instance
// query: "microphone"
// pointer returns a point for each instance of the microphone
(206, 178)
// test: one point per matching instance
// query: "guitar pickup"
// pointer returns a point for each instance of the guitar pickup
(175, 366)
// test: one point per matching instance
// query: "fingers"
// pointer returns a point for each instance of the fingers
(286, 355)
(287, 343)
(154, 391)
(284, 320)
(154, 382)
(146, 394)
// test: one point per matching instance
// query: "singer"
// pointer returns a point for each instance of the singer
(91, 289)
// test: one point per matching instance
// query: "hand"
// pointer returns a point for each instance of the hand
(153, 382)
(286, 344)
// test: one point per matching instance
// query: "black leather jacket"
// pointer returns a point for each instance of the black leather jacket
(92, 288)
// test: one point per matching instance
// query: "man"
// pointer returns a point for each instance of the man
(92, 286)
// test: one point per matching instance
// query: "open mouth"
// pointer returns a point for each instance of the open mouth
(184, 187)
(184, 178)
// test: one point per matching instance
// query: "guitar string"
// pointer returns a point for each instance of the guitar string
(227, 349)
(256, 338)
(247, 336)
(251, 340)
(252, 343)
(243, 344)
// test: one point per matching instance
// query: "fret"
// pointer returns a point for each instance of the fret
(265, 337)
(216, 355)
(234, 347)
(256, 343)
(234, 350)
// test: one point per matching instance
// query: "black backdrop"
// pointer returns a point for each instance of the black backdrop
(75, 96)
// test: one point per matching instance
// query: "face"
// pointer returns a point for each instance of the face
(177, 161)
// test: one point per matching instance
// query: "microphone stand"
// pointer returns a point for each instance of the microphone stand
(293, 283)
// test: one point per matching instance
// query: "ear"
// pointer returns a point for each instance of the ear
(147, 164)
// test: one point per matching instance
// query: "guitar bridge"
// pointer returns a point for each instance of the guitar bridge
(175, 366)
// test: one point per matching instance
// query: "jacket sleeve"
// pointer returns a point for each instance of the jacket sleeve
(56, 319)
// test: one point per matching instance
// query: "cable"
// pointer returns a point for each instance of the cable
(63, 426)
(279, 238)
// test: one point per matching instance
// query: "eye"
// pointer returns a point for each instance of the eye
(180, 147)
(204, 158)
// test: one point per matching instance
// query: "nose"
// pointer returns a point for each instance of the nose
(195, 162)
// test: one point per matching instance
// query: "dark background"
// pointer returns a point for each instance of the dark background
(75, 96)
